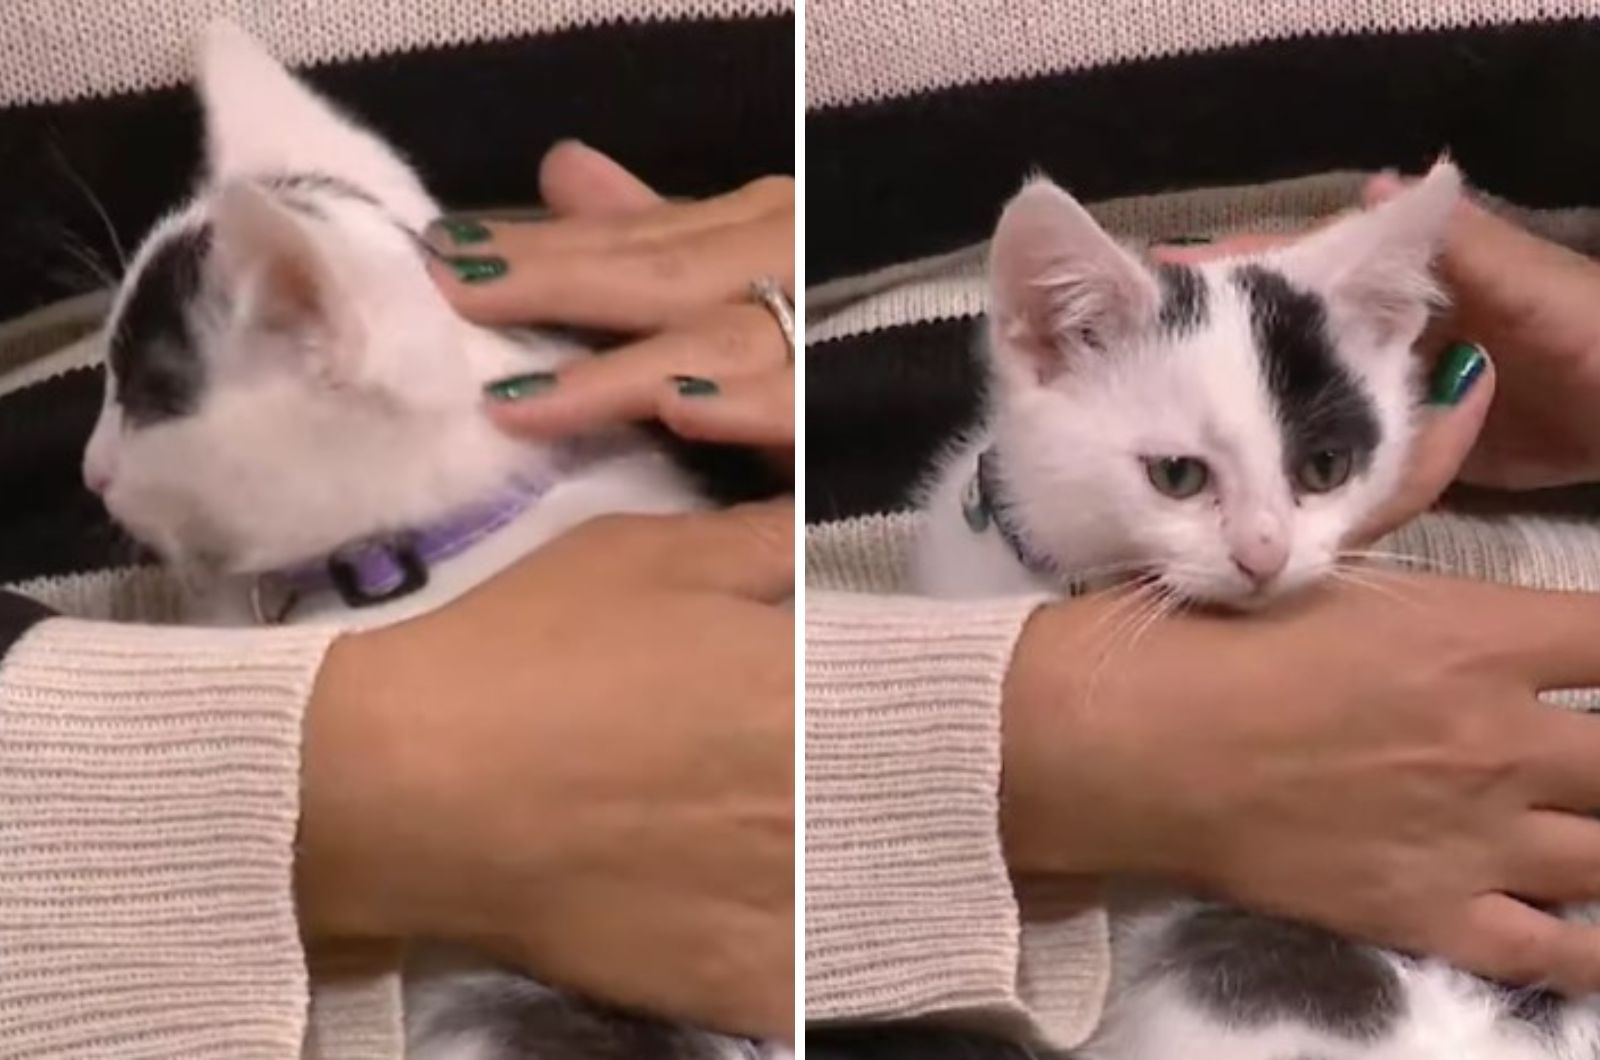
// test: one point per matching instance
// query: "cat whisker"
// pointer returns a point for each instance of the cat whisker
(1153, 602)
(1398, 558)
(94, 203)
(1365, 580)
(1126, 596)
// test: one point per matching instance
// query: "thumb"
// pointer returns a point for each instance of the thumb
(1462, 384)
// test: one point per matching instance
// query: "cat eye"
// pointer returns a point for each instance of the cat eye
(1324, 471)
(1179, 477)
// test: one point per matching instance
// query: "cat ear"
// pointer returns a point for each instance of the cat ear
(1374, 266)
(1059, 285)
(281, 280)
(260, 120)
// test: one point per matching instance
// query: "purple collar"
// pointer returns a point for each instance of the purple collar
(379, 569)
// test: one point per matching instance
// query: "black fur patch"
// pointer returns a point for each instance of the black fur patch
(153, 353)
(545, 1024)
(1183, 298)
(1319, 404)
(1537, 1007)
(1252, 970)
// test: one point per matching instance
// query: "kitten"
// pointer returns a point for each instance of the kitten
(293, 417)
(1217, 431)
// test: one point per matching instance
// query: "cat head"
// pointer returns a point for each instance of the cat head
(282, 374)
(1221, 427)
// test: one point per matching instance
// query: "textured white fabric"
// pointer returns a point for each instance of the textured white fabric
(149, 793)
(962, 42)
(67, 49)
(910, 910)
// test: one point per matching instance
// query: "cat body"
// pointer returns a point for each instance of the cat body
(293, 418)
(1213, 434)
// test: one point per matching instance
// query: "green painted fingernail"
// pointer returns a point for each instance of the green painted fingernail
(464, 230)
(479, 270)
(1458, 369)
(517, 387)
(694, 386)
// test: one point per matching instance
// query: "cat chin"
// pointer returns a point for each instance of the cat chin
(1234, 601)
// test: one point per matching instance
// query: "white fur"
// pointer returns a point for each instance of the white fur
(343, 398)
(1085, 386)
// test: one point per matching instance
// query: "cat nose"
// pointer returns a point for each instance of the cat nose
(1261, 558)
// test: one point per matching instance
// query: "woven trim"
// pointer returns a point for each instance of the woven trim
(952, 285)
(856, 50)
(53, 50)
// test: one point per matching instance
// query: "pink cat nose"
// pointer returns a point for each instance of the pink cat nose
(1261, 558)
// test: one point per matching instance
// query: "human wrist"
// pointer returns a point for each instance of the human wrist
(1078, 767)
(342, 889)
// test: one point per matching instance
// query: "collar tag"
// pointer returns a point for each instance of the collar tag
(975, 506)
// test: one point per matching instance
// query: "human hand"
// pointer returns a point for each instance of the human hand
(709, 362)
(1536, 304)
(1373, 762)
(583, 767)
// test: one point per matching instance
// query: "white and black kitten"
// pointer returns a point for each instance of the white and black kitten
(1217, 431)
(294, 411)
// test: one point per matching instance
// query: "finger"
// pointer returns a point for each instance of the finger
(1563, 747)
(633, 288)
(614, 230)
(753, 410)
(1553, 857)
(626, 384)
(1504, 939)
(1445, 435)
(575, 179)
(1553, 638)
(747, 550)
(1382, 187)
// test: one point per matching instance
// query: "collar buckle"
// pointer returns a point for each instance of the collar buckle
(386, 572)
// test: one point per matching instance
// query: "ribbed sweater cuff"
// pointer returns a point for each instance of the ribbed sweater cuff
(149, 793)
(910, 911)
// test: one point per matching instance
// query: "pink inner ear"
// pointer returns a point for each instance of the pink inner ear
(1061, 286)
(291, 296)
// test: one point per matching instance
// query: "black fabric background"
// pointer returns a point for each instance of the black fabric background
(693, 107)
(907, 177)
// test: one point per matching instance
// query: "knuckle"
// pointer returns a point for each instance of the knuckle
(772, 189)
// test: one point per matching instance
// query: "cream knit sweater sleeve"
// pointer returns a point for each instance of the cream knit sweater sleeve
(910, 911)
(149, 792)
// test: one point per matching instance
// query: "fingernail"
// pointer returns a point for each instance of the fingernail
(694, 386)
(1183, 241)
(1458, 369)
(464, 231)
(517, 387)
(479, 270)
